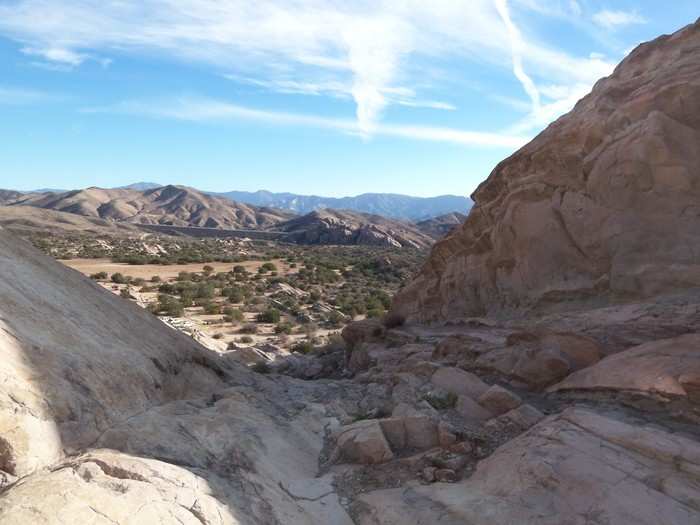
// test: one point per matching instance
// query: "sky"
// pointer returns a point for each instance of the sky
(323, 97)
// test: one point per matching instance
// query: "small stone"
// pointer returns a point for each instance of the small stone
(429, 474)
(465, 447)
(446, 475)
(446, 436)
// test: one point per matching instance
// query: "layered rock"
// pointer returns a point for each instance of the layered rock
(602, 206)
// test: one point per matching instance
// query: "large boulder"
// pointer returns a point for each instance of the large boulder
(598, 207)
(668, 368)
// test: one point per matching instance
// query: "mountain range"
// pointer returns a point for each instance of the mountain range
(391, 205)
(186, 207)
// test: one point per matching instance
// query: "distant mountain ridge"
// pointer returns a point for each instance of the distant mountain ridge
(393, 205)
(167, 205)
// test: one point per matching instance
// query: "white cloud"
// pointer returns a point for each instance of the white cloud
(198, 109)
(613, 19)
(363, 50)
(57, 54)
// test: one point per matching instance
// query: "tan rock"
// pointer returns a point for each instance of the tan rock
(525, 416)
(446, 435)
(542, 357)
(472, 411)
(365, 331)
(459, 382)
(669, 367)
(498, 400)
(362, 442)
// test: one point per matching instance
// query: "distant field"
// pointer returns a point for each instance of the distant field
(165, 272)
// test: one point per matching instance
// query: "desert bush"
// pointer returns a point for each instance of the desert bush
(303, 347)
(393, 320)
(248, 328)
(271, 315)
(246, 339)
(119, 278)
(99, 276)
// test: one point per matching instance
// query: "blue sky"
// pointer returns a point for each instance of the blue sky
(308, 96)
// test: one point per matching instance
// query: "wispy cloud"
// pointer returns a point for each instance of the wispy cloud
(613, 19)
(394, 95)
(360, 50)
(517, 47)
(201, 109)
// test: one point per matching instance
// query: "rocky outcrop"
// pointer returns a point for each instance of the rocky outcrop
(352, 228)
(602, 206)
(107, 415)
(577, 468)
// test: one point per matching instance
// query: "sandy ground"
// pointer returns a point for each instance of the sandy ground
(146, 271)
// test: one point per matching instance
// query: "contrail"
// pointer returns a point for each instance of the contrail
(516, 44)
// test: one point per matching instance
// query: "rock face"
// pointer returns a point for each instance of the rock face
(602, 206)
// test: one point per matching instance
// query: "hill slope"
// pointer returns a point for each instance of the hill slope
(171, 205)
(438, 227)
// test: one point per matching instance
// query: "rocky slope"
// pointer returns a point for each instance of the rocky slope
(601, 207)
(171, 205)
(438, 227)
(31, 219)
(346, 227)
(7, 196)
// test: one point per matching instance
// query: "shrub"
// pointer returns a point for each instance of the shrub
(212, 309)
(303, 347)
(218, 336)
(246, 339)
(99, 276)
(283, 328)
(249, 328)
(118, 278)
(155, 279)
(271, 315)
(269, 267)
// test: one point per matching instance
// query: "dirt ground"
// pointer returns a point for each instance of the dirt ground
(146, 271)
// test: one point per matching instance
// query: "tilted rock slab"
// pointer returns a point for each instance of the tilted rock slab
(576, 468)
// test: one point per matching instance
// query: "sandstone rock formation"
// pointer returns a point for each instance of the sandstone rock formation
(346, 227)
(601, 207)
